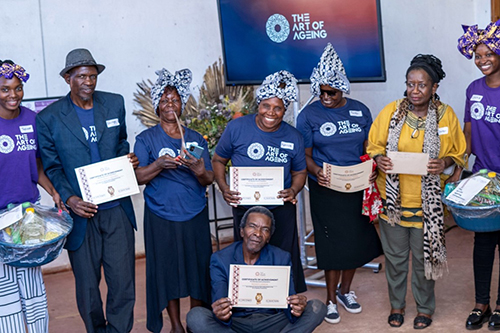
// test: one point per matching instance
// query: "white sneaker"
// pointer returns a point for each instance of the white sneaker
(349, 302)
(332, 315)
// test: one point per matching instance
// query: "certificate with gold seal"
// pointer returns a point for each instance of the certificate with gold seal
(259, 286)
(348, 179)
(107, 180)
(257, 185)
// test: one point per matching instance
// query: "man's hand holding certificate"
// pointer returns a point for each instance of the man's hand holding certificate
(253, 286)
(107, 180)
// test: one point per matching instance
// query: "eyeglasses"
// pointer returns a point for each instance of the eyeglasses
(330, 93)
(416, 131)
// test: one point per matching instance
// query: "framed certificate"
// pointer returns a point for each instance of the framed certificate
(107, 180)
(255, 286)
(348, 179)
(257, 185)
(408, 163)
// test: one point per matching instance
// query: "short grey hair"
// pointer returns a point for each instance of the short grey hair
(258, 210)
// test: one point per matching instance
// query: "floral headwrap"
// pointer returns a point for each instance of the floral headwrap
(8, 71)
(473, 36)
(270, 87)
(330, 72)
(180, 80)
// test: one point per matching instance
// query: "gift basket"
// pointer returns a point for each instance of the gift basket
(475, 201)
(35, 237)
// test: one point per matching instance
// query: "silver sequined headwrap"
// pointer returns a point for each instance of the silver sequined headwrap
(270, 87)
(180, 80)
(330, 72)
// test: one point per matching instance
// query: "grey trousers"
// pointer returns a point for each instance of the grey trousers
(108, 243)
(200, 319)
(397, 242)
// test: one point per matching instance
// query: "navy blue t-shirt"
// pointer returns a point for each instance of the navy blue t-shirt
(337, 135)
(247, 145)
(88, 127)
(174, 194)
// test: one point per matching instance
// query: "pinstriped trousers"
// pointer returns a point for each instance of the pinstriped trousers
(23, 302)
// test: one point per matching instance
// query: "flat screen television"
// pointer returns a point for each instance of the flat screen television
(260, 37)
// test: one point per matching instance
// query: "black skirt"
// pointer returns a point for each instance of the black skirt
(343, 237)
(177, 262)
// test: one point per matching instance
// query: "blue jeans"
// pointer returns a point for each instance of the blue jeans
(200, 319)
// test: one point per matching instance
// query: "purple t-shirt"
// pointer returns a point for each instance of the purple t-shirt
(18, 154)
(481, 111)
(247, 145)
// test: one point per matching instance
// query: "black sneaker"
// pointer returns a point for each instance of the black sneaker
(477, 318)
(332, 315)
(349, 302)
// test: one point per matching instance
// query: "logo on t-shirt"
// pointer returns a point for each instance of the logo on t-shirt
(477, 111)
(92, 134)
(255, 151)
(6, 144)
(166, 151)
(328, 129)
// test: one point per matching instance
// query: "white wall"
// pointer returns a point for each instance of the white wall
(135, 38)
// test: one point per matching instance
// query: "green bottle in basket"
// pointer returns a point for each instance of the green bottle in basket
(32, 228)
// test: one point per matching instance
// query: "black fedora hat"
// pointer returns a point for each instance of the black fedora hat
(80, 57)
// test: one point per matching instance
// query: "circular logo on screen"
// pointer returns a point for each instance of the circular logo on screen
(477, 111)
(255, 151)
(277, 28)
(6, 144)
(166, 151)
(328, 129)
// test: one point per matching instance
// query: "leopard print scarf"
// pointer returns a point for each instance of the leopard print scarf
(434, 241)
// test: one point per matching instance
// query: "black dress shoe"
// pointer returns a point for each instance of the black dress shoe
(494, 324)
(477, 318)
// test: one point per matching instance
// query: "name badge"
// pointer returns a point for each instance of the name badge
(476, 98)
(287, 145)
(26, 129)
(443, 130)
(112, 122)
(355, 113)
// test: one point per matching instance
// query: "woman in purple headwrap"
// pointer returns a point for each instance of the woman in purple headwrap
(23, 302)
(482, 132)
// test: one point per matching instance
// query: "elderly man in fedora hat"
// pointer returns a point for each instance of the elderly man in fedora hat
(88, 126)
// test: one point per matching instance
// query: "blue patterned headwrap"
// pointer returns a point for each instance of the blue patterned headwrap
(329, 72)
(270, 87)
(8, 71)
(180, 80)
(473, 36)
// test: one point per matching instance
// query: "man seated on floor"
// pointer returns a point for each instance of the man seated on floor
(256, 228)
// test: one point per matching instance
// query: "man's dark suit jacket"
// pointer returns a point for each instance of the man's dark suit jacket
(63, 147)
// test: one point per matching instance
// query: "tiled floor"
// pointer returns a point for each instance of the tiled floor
(454, 295)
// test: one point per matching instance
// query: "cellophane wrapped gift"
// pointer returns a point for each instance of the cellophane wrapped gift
(35, 239)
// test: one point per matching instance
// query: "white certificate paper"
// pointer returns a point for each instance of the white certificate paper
(255, 286)
(352, 178)
(467, 189)
(408, 163)
(257, 185)
(107, 180)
